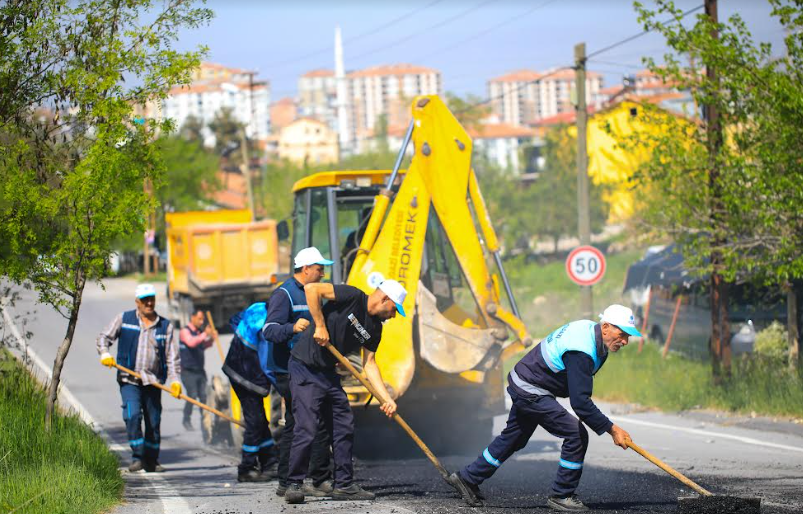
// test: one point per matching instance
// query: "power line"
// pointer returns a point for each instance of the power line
(425, 30)
(623, 65)
(640, 34)
(357, 37)
(491, 29)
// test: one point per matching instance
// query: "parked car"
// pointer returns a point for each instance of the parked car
(660, 279)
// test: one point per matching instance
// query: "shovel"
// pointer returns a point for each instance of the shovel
(707, 501)
(424, 448)
(182, 396)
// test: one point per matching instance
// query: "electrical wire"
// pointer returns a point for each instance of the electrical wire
(355, 38)
(640, 34)
(425, 30)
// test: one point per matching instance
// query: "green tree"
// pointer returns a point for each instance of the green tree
(190, 177)
(729, 185)
(552, 198)
(469, 111)
(73, 161)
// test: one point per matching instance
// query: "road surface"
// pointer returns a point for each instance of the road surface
(730, 455)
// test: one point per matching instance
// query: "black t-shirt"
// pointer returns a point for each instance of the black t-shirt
(349, 325)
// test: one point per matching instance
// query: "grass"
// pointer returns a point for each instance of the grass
(70, 470)
(757, 385)
(154, 278)
(548, 299)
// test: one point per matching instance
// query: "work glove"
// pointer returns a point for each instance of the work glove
(107, 360)
(175, 389)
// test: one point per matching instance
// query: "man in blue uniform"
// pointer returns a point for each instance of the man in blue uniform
(562, 365)
(146, 346)
(288, 316)
(354, 321)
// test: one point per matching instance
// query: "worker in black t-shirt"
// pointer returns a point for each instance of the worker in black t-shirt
(350, 320)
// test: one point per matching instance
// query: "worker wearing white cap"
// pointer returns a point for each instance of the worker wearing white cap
(350, 321)
(146, 346)
(562, 365)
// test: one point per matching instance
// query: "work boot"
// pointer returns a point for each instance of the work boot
(135, 466)
(253, 475)
(187, 424)
(280, 490)
(352, 492)
(321, 490)
(294, 494)
(469, 492)
(154, 467)
(569, 504)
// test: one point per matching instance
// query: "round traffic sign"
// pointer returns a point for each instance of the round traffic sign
(585, 265)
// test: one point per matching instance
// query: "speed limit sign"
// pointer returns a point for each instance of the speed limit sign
(585, 265)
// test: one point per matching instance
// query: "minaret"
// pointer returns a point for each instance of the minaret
(343, 128)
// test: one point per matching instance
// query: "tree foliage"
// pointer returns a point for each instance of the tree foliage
(729, 193)
(73, 163)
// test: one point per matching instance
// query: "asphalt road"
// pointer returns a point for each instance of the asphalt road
(728, 455)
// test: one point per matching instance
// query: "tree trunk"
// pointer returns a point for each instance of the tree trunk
(725, 327)
(716, 339)
(64, 349)
(791, 325)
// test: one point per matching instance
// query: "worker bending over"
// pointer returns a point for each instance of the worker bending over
(350, 320)
(561, 365)
(145, 346)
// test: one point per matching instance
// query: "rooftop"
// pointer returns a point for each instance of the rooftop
(392, 69)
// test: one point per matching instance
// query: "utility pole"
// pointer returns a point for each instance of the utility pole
(583, 215)
(720, 326)
(245, 168)
(146, 253)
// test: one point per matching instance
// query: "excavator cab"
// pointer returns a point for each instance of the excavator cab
(426, 227)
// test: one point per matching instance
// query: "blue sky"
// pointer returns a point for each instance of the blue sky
(469, 41)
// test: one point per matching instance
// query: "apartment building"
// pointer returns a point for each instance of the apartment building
(215, 87)
(525, 96)
(369, 93)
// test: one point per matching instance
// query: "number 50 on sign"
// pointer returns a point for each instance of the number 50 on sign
(585, 265)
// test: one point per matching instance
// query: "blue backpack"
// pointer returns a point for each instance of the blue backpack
(248, 326)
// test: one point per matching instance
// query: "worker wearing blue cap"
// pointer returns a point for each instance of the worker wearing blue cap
(562, 365)
(146, 346)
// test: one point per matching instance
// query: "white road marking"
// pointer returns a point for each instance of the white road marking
(170, 498)
(708, 433)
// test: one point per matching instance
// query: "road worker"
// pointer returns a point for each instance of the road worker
(350, 320)
(194, 339)
(562, 365)
(288, 316)
(145, 346)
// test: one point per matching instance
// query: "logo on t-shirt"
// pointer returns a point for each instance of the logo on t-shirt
(364, 333)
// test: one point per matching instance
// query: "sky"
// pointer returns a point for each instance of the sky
(468, 41)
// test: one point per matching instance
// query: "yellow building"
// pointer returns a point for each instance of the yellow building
(309, 141)
(608, 164)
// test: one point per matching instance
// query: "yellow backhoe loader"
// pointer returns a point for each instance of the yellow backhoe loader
(428, 228)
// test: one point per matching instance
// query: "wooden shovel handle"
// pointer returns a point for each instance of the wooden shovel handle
(431, 456)
(217, 339)
(182, 396)
(661, 464)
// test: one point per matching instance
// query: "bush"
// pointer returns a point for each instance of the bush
(772, 342)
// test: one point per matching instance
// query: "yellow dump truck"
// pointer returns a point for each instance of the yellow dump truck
(428, 228)
(220, 261)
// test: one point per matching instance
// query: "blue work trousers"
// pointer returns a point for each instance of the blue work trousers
(258, 452)
(525, 415)
(142, 402)
(317, 394)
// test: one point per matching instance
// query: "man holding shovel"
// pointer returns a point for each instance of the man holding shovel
(562, 365)
(350, 320)
(146, 346)
(194, 340)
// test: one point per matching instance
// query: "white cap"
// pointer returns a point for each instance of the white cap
(395, 292)
(310, 256)
(145, 290)
(622, 317)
